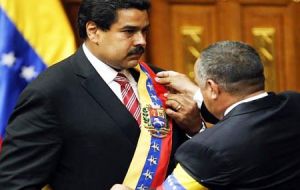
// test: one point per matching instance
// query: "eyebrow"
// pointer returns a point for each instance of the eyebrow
(128, 27)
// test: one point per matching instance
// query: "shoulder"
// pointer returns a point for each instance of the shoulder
(204, 161)
(288, 99)
(54, 78)
(289, 95)
(214, 152)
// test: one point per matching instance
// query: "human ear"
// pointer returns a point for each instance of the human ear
(92, 32)
(214, 89)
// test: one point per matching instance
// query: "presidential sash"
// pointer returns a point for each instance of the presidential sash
(181, 180)
(150, 162)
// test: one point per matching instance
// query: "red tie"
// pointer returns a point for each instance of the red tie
(129, 98)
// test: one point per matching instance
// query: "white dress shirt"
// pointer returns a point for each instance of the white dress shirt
(198, 98)
(108, 74)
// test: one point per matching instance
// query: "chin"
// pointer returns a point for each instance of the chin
(131, 64)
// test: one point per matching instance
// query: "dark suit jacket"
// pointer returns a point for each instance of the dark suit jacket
(256, 146)
(71, 131)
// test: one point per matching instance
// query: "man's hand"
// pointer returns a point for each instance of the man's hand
(120, 187)
(177, 82)
(184, 110)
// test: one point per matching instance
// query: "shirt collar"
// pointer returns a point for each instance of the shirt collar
(263, 94)
(107, 73)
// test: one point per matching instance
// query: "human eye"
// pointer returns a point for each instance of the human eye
(129, 31)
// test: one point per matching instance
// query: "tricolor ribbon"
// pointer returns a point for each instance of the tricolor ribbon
(150, 162)
(181, 180)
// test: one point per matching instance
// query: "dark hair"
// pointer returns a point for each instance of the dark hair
(104, 12)
(235, 66)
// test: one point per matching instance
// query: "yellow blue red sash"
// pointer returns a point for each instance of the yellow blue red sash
(180, 180)
(150, 162)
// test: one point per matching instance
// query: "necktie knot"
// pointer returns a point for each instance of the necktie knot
(121, 79)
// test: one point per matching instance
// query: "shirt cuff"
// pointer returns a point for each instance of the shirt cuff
(203, 127)
(198, 98)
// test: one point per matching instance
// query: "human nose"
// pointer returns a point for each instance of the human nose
(140, 39)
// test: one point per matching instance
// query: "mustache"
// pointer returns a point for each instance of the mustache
(136, 51)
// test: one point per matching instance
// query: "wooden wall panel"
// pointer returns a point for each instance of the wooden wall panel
(274, 48)
(159, 39)
(193, 28)
(245, 20)
(265, 2)
(268, 23)
(71, 7)
(295, 11)
(290, 50)
(229, 20)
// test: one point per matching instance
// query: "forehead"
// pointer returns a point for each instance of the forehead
(196, 65)
(196, 71)
(132, 17)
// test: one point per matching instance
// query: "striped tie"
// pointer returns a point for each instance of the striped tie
(129, 98)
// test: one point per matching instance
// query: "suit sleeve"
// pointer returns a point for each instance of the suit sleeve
(207, 166)
(31, 145)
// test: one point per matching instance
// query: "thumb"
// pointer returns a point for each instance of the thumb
(120, 187)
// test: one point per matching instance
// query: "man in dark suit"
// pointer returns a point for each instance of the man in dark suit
(256, 143)
(76, 127)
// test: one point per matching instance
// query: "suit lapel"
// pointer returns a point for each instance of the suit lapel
(105, 97)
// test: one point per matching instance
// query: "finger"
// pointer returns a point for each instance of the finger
(186, 100)
(174, 104)
(162, 74)
(167, 74)
(177, 116)
(177, 97)
(172, 73)
(120, 187)
(163, 81)
(171, 104)
(181, 98)
(116, 187)
(178, 108)
(173, 114)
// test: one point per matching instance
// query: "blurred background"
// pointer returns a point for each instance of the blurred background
(180, 29)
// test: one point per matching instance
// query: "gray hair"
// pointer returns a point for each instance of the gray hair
(235, 66)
